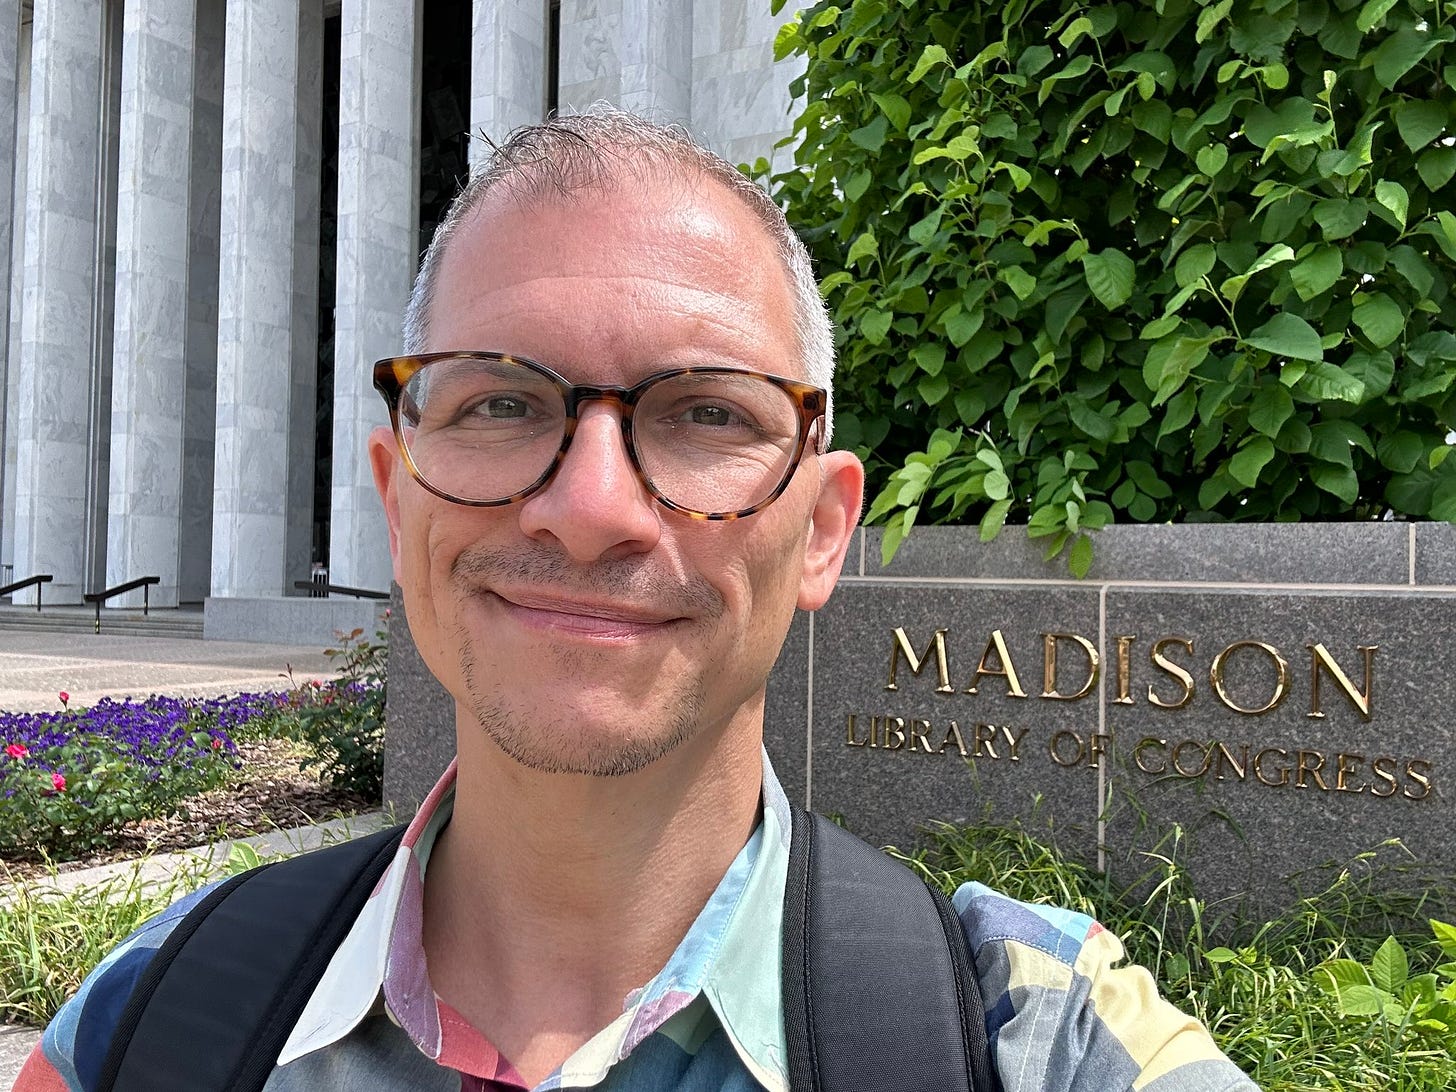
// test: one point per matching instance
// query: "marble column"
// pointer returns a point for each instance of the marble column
(742, 105)
(303, 427)
(149, 344)
(507, 69)
(590, 52)
(255, 299)
(56, 331)
(11, 135)
(657, 59)
(204, 204)
(378, 240)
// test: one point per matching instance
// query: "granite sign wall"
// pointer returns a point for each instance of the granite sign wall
(1281, 694)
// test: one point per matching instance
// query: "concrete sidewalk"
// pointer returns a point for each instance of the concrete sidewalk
(36, 667)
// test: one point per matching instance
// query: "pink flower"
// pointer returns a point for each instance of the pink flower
(216, 743)
(65, 699)
(59, 782)
(16, 750)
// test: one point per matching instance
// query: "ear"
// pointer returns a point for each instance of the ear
(835, 517)
(384, 461)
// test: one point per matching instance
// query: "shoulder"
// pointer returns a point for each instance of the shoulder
(1064, 1012)
(76, 1040)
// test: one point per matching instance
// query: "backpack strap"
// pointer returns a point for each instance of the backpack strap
(879, 989)
(217, 1002)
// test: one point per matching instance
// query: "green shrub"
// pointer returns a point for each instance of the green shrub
(342, 722)
(1151, 260)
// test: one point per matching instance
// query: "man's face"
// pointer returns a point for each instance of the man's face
(588, 629)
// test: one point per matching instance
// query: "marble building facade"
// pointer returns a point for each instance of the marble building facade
(161, 309)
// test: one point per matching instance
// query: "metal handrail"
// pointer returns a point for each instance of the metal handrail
(99, 597)
(357, 593)
(20, 585)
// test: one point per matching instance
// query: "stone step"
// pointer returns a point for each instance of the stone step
(118, 623)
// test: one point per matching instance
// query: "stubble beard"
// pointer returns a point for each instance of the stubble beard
(539, 738)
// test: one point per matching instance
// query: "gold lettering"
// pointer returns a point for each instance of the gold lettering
(1054, 748)
(1013, 740)
(1421, 777)
(1239, 765)
(1197, 745)
(901, 647)
(1344, 766)
(1124, 671)
(986, 737)
(1283, 770)
(1049, 665)
(898, 737)
(1310, 762)
(953, 732)
(1384, 769)
(1319, 657)
(918, 740)
(850, 738)
(1143, 744)
(1007, 670)
(1097, 748)
(1159, 660)
(1216, 673)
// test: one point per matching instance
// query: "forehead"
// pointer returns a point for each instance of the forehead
(644, 273)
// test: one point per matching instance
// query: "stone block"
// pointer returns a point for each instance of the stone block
(1275, 769)
(420, 717)
(1237, 553)
(288, 621)
(888, 760)
(1435, 553)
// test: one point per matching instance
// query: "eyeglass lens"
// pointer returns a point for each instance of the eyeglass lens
(485, 430)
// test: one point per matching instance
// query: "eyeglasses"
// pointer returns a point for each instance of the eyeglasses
(488, 429)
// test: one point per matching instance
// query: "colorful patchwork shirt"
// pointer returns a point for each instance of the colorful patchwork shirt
(1061, 1014)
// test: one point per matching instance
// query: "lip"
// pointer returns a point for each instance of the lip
(581, 617)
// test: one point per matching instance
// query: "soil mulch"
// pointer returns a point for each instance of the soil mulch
(268, 793)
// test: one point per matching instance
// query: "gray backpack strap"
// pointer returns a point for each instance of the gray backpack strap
(880, 993)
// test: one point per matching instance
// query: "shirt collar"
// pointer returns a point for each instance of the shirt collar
(730, 955)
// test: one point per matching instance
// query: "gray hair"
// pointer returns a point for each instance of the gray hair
(568, 155)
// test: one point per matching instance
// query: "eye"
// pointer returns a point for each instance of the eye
(503, 406)
(710, 414)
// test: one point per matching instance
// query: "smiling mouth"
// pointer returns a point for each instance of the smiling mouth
(599, 620)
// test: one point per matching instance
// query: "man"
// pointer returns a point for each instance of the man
(608, 488)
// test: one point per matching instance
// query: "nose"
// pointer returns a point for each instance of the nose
(595, 505)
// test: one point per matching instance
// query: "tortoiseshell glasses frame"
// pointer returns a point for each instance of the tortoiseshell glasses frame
(393, 374)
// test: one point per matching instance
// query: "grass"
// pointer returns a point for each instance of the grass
(1255, 984)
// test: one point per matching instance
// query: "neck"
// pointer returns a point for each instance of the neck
(550, 897)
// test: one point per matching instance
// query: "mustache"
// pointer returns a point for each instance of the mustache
(629, 580)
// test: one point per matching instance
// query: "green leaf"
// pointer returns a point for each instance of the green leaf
(1341, 217)
(1018, 280)
(1445, 936)
(1399, 53)
(1419, 121)
(1110, 275)
(1444, 232)
(1079, 560)
(1212, 159)
(997, 485)
(1373, 14)
(874, 325)
(1414, 267)
(1074, 30)
(994, 520)
(933, 388)
(866, 246)
(1272, 406)
(857, 184)
(895, 107)
(1287, 335)
(1193, 265)
(1400, 452)
(1379, 318)
(1249, 460)
(1340, 481)
(961, 325)
(1329, 382)
(1392, 196)
(1317, 272)
(930, 56)
(1210, 17)
(930, 356)
(1436, 167)
(871, 137)
(1389, 968)
(1169, 363)
(1090, 421)
(1233, 287)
